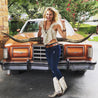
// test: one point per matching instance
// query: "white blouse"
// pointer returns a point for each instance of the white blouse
(49, 34)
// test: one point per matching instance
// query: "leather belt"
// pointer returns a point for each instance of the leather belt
(51, 45)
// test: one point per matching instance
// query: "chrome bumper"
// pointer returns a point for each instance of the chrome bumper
(66, 65)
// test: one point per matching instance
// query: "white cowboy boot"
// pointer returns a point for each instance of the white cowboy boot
(63, 84)
(57, 87)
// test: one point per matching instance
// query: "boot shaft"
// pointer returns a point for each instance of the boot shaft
(63, 84)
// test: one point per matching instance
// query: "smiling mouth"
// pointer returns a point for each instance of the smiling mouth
(48, 18)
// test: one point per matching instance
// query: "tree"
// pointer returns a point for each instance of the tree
(73, 10)
(30, 7)
(79, 10)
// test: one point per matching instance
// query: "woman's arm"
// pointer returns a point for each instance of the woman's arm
(39, 35)
(61, 32)
(39, 32)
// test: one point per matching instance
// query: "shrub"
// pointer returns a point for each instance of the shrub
(88, 30)
(14, 25)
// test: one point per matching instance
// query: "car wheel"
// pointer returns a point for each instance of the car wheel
(80, 72)
(15, 72)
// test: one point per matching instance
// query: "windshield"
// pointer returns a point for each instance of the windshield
(31, 26)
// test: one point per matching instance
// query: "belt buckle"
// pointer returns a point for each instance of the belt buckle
(48, 46)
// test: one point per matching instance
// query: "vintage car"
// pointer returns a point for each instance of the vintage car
(31, 55)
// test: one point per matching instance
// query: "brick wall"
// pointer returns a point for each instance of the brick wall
(3, 23)
(3, 16)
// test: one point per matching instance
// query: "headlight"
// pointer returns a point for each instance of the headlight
(5, 53)
(90, 52)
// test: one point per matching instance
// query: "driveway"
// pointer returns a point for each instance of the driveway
(38, 84)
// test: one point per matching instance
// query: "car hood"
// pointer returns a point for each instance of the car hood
(26, 35)
(21, 36)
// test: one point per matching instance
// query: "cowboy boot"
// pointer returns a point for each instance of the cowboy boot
(57, 88)
(63, 84)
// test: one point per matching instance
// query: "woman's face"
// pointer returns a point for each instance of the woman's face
(49, 15)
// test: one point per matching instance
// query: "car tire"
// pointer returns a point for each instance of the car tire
(15, 72)
(80, 72)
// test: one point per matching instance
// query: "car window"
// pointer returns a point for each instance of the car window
(31, 26)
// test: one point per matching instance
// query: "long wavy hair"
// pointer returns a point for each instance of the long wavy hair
(55, 13)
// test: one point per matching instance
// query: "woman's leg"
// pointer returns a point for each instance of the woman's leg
(54, 61)
(53, 55)
(53, 58)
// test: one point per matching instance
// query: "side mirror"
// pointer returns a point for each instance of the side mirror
(18, 30)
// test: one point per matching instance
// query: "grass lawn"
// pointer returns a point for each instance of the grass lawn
(86, 29)
(94, 39)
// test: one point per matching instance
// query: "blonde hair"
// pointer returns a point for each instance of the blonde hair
(55, 13)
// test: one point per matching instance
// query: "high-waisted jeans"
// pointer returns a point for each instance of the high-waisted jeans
(53, 54)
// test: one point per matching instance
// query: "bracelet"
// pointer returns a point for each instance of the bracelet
(64, 30)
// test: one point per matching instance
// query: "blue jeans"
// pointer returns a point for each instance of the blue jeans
(53, 54)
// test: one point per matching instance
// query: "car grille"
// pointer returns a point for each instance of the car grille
(40, 55)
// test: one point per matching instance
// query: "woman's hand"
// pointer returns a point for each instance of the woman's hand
(63, 24)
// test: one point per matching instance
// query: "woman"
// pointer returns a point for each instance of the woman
(48, 28)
